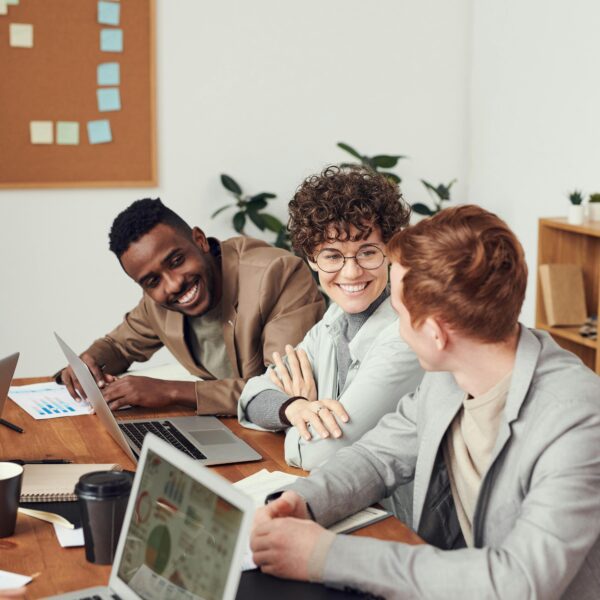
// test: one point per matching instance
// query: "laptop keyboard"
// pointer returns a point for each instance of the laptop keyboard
(165, 431)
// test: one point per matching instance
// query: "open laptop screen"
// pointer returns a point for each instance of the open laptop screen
(180, 538)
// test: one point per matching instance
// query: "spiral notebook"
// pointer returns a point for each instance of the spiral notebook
(56, 483)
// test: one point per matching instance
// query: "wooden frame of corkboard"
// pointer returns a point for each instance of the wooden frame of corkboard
(55, 80)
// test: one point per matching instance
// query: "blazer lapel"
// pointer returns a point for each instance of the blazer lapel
(229, 302)
(446, 408)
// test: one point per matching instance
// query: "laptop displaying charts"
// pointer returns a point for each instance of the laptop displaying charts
(184, 532)
(205, 439)
(7, 370)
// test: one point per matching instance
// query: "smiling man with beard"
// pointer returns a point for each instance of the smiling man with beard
(221, 308)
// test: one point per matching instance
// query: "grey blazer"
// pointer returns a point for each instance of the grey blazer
(537, 519)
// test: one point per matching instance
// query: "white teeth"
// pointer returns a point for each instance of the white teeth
(189, 295)
(359, 287)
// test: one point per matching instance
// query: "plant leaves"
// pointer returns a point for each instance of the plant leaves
(239, 222)
(263, 196)
(349, 150)
(386, 161)
(229, 183)
(272, 223)
(256, 218)
(220, 210)
(422, 209)
(256, 203)
(282, 240)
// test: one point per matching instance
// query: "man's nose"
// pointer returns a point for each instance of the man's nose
(172, 283)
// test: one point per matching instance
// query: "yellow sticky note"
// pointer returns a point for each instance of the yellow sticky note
(21, 35)
(3, 7)
(41, 132)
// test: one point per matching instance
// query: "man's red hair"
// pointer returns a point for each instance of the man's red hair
(465, 267)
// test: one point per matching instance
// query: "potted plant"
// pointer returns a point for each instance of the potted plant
(250, 207)
(377, 162)
(575, 216)
(594, 207)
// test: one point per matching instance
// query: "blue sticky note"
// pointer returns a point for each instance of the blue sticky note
(109, 74)
(111, 40)
(108, 13)
(108, 99)
(99, 131)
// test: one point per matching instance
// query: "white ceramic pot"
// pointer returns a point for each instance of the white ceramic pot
(594, 211)
(576, 214)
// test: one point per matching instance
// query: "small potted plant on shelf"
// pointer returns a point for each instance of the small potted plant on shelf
(575, 216)
(594, 207)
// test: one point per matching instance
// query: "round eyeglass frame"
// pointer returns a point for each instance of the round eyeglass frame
(355, 257)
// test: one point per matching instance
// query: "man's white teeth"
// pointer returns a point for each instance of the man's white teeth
(359, 287)
(188, 295)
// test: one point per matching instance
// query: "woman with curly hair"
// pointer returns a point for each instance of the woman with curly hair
(352, 367)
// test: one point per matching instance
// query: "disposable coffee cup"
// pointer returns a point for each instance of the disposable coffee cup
(11, 477)
(103, 497)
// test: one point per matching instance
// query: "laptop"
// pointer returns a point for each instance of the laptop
(205, 439)
(184, 532)
(7, 370)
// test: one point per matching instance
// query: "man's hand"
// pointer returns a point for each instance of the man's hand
(74, 387)
(146, 391)
(296, 379)
(319, 414)
(289, 504)
(282, 547)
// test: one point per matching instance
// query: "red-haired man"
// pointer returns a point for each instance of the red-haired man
(506, 427)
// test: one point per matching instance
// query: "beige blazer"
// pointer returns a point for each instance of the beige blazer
(269, 299)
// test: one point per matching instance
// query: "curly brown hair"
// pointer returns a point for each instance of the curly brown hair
(341, 197)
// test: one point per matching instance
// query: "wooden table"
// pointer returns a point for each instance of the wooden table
(34, 548)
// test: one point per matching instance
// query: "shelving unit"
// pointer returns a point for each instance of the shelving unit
(560, 242)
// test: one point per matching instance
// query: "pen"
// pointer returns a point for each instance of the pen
(45, 461)
(10, 425)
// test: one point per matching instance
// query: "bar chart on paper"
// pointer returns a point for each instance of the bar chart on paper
(48, 401)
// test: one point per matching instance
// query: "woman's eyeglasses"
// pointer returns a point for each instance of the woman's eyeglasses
(368, 257)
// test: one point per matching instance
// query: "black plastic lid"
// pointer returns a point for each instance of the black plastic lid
(104, 484)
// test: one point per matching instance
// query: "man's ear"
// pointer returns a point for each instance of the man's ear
(200, 240)
(437, 332)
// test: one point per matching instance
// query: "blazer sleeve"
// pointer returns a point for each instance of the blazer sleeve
(133, 340)
(555, 528)
(389, 371)
(290, 304)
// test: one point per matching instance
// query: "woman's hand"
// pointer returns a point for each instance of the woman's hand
(295, 379)
(321, 414)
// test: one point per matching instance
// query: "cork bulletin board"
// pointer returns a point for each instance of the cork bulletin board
(77, 93)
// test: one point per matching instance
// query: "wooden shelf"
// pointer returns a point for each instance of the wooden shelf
(562, 243)
(569, 333)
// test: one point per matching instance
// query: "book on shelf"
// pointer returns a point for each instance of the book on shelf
(56, 483)
(563, 294)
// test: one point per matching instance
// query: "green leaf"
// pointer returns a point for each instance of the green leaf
(392, 176)
(256, 218)
(349, 150)
(430, 187)
(422, 209)
(229, 183)
(220, 210)
(272, 223)
(385, 161)
(239, 222)
(256, 203)
(263, 196)
(282, 240)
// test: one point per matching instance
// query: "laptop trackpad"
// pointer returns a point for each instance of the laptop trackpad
(210, 437)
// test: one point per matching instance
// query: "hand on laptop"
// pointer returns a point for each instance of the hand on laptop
(148, 392)
(284, 537)
(68, 377)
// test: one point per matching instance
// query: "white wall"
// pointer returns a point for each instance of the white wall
(261, 90)
(534, 112)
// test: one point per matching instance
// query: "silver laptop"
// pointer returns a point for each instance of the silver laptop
(183, 536)
(203, 438)
(7, 370)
